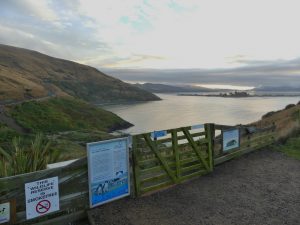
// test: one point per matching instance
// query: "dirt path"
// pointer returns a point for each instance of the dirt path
(261, 188)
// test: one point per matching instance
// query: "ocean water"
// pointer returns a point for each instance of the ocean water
(176, 111)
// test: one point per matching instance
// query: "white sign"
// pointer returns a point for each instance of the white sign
(42, 197)
(108, 164)
(4, 212)
(231, 139)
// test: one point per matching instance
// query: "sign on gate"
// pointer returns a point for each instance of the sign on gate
(231, 139)
(157, 134)
(42, 197)
(108, 168)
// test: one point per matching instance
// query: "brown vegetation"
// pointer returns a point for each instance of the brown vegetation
(287, 121)
(26, 74)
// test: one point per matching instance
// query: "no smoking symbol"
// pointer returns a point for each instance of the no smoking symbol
(43, 206)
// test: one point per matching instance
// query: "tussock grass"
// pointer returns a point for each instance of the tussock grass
(22, 158)
(291, 146)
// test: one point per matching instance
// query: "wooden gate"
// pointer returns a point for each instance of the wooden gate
(169, 157)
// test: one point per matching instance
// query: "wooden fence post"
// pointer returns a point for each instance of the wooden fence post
(209, 134)
(176, 153)
(136, 170)
(299, 117)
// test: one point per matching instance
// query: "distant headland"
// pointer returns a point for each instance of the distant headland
(239, 94)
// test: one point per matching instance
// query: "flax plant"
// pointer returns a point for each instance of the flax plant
(24, 159)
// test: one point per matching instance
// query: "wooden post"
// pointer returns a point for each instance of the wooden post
(299, 117)
(13, 211)
(176, 153)
(136, 169)
(209, 134)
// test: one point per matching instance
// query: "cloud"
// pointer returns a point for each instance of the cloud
(15, 37)
(169, 33)
(39, 26)
(39, 9)
(266, 73)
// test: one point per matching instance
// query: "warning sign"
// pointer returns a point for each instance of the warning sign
(42, 197)
(4, 212)
(43, 206)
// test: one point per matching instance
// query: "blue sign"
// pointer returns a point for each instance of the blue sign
(108, 168)
(160, 133)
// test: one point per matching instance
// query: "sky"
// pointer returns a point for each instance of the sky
(208, 37)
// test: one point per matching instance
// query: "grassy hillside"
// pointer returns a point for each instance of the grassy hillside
(64, 114)
(287, 121)
(26, 74)
(163, 88)
(68, 123)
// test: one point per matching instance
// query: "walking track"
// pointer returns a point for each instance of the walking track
(261, 188)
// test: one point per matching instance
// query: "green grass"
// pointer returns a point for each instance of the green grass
(64, 114)
(73, 144)
(68, 123)
(6, 133)
(291, 147)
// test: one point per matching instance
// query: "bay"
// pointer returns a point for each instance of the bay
(176, 111)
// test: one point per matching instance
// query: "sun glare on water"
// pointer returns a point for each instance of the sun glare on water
(225, 86)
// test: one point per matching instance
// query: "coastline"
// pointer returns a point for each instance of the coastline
(236, 96)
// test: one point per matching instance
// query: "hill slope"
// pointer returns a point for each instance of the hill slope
(286, 120)
(26, 74)
(164, 88)
(64, 114)
(69, 123)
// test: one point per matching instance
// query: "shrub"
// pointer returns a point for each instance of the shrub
(26, 159)
(289, 106)
(268, 114)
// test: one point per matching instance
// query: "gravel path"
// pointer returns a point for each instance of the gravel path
(261, 188)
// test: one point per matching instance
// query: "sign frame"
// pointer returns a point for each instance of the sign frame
(88, 145)
(238, 139)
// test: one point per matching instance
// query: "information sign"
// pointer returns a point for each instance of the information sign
(42, 197)
(108, 168)
(231, 139)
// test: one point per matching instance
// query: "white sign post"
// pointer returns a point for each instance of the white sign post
(4, 212)
(42, 197)
(108, 168)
